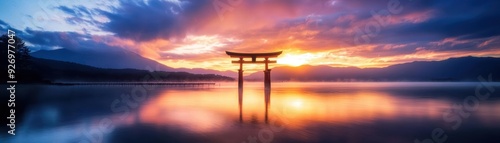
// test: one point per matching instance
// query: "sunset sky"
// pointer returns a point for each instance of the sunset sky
(195, 33)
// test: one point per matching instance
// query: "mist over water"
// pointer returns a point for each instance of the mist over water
(327, 112)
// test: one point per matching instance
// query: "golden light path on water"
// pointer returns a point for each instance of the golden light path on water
(210, 110)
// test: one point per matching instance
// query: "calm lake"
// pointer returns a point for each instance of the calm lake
(315, 112)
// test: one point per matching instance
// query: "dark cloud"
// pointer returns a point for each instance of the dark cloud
(465, 19)
(3, 23)
(465, 26)
(68, 10)
(4, 27)
(49, 39)
(77, 11)
(144, 21)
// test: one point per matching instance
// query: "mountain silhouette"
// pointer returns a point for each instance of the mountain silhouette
(108, 58)
(117, 59)
(227, 73)
(453, 69)
(50, 71)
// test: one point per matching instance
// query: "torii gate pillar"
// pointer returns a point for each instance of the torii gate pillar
(267, 76)
(240, 74)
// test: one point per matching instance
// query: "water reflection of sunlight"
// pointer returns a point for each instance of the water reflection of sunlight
(192, 110)
(297, 104)
(362, 107)
(214, 109)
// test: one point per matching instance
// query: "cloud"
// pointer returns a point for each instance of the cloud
(187, 32)
(3, 23)
(51, 40)
(466, 19)
(69, 40)
(147, 20)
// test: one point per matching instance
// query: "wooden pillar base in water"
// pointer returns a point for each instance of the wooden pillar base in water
(240, 103)
(240, 78)
(267, 99)
(267, 79)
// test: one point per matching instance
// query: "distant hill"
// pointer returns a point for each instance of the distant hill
(117, 59)
(45, 70)
(102, 58)
(453, 69)
(208, 71)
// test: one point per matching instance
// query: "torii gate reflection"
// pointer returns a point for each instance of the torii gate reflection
(267, 75)
(267, 100)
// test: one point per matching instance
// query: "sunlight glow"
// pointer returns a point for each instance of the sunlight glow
(295, 60)
(297, 103)
(198, 45)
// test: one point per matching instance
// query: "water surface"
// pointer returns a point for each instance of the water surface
(392, 112)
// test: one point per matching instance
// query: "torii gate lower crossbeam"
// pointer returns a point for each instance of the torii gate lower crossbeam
(254, 56)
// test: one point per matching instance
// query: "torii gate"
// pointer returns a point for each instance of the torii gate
(254, 56)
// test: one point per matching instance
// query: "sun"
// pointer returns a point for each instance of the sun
(297, 103)
(295, 59)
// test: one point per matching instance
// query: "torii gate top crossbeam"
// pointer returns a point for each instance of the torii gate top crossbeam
(253, 55)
